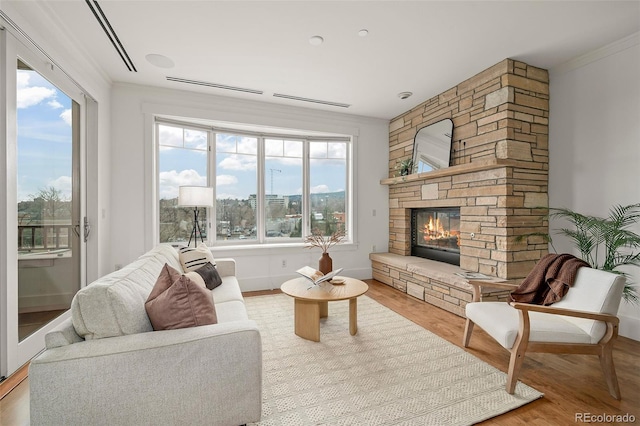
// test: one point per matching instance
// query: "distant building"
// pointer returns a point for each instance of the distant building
(272, 199)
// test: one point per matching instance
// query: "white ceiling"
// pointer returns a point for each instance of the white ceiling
(424, 47)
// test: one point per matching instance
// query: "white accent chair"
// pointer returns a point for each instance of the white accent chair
(583, 322)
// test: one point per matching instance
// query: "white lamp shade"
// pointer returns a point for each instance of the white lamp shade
(195, 196)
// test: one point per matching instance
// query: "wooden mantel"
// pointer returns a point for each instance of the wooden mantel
(475, 166)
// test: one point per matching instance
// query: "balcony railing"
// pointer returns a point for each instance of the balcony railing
(44, 237)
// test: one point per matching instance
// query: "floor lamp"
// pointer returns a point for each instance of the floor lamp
(195, 196)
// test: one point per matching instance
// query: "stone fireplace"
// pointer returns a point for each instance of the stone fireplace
(499, 182)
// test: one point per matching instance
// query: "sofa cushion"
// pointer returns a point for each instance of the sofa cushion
(227, 291)
(114, 304)
(177, 302)
(195, 258)
(232, 310)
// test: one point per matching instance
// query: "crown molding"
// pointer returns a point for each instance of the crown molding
(595, 55)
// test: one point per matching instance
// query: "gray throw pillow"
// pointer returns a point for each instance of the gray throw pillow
(210, 275)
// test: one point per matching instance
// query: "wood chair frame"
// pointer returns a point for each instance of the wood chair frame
(604, 348)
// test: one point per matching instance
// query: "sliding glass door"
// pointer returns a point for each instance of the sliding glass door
(44, 232)
(48, 205)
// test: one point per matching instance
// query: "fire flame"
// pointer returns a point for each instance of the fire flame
(434, 230)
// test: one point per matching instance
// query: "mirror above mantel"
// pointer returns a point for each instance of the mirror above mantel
(432, 147)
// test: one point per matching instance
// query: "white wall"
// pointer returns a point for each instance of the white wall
(258, 268)
(594, 141)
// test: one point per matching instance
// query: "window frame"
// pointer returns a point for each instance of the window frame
(183, 126)
(306, 137)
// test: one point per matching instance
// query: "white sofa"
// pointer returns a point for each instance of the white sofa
(107, 366)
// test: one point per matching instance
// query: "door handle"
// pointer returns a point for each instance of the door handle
(87, 229)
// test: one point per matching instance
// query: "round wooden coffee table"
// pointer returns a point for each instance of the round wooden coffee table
(312, 303)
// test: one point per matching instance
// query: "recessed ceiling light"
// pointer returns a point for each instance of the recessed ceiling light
(316, 40)
(404, 95)
(363, 32)
(159, 61)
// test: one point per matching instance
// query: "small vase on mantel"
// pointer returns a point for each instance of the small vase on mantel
(325, 263)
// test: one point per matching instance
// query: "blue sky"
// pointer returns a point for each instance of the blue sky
(44, 136)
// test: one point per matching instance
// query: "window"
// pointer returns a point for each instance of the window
(328, 172)
(283, 178)
(236, 172)
(182, 160)
(269, 188)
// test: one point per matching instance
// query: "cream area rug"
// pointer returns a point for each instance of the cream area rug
(392, 372)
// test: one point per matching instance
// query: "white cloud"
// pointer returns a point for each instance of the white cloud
(318, 150)
(238, 162)
(170, 182)
(29, 96)
(66, 116)
(226, 180)
(223, 145)
(319, 189)
(337, 150)
(170, 135)
(247, 145)
(63, 184)
(286, 161)
(55, 104)
(196, 139)
(22, 79)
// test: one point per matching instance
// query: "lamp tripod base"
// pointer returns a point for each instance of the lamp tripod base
(196, 229)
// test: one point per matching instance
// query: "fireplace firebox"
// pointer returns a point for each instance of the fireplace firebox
(435, 234)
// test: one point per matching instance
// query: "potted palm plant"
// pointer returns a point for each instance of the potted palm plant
(605, 243)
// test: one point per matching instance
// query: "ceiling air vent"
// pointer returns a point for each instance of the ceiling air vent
(315, 101)
(111, 34)
(215, 85)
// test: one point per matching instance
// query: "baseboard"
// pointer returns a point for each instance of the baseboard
(274, 282)
(45, 302)
(13, 380)
(629, 327)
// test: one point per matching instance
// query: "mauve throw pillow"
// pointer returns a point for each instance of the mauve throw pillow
(177, 302)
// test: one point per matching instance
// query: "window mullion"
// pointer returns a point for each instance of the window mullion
(349, 201)
(306, 196)
(211, 181)
(260, 196)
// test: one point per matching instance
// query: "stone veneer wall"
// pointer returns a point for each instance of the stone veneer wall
(499, 172)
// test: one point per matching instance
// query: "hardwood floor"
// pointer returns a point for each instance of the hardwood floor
(571, 384)
(33, 321)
